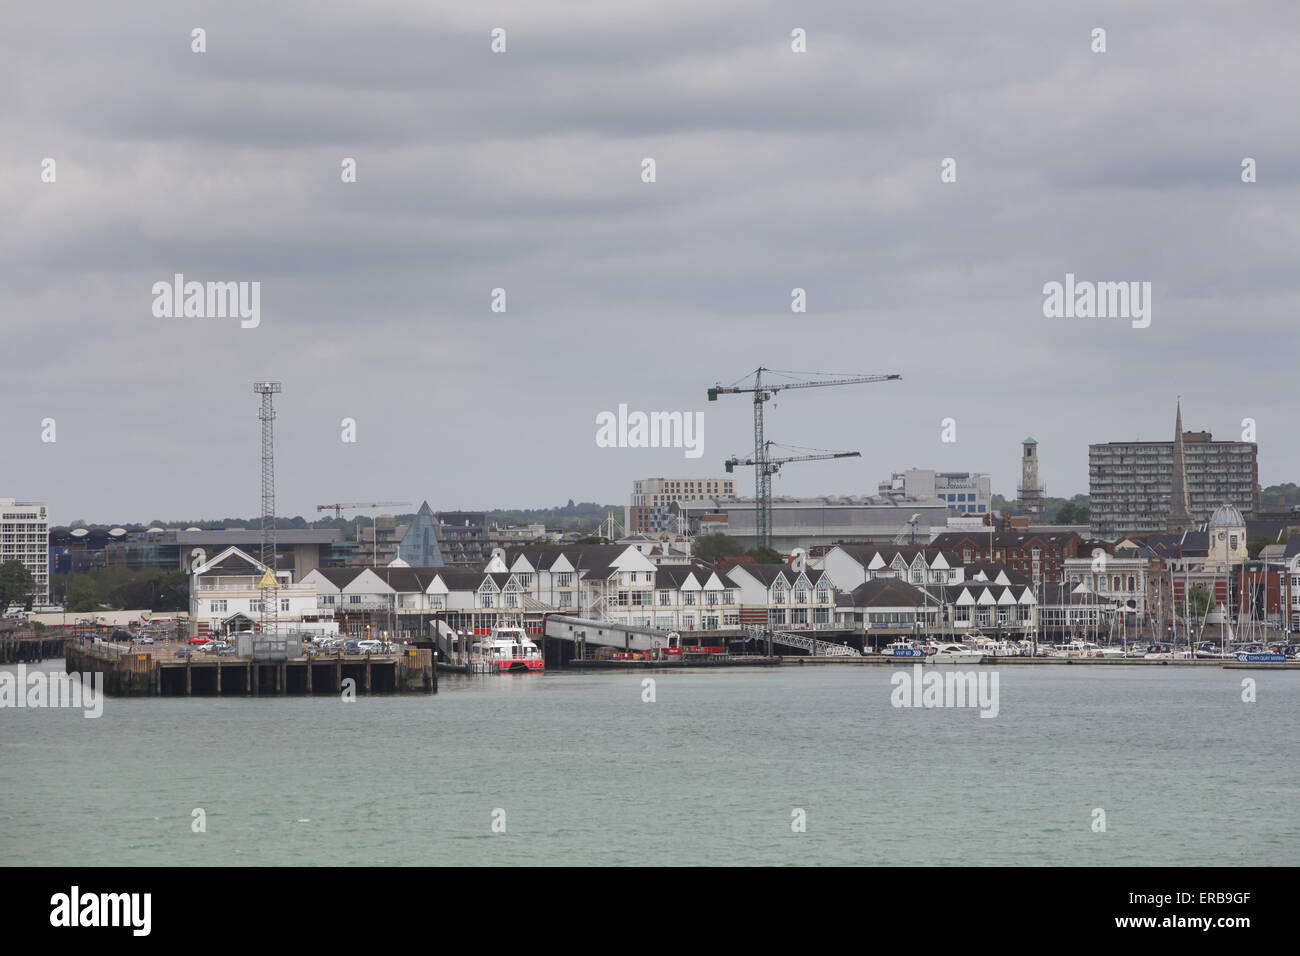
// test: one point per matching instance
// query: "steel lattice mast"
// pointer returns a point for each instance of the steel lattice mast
(763, 471)
(271, 601)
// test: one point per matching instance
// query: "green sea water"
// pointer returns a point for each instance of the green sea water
(578, 769)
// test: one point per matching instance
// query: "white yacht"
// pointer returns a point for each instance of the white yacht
(955, 654)
(1072, 649)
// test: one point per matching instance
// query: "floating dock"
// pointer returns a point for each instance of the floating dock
(137, 673)
(701, 661)
(880, 659)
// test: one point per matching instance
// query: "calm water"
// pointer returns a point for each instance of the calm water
(708, 774)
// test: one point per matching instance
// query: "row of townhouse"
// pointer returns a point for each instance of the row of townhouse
(618, 584)
(895, 587)
(400, 601)
(623, 585)
(852, 565)
(1094, 587)
(1120, 577)
(991, 599)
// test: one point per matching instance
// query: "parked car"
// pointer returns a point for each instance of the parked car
(200, 640)
(370, 647)
(352, 647)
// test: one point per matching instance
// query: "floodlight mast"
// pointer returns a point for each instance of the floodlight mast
(270, 597)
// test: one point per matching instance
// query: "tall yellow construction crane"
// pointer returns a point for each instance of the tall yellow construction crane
(763, 392)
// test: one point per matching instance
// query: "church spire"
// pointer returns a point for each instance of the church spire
(1180, 512)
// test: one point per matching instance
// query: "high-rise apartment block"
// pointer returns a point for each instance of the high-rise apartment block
(1170, 485)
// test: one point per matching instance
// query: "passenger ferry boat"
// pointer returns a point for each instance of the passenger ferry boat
(507, 650)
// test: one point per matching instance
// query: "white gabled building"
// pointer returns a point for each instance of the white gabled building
(693, 597)
(224, 596)
(852, 565)
(793, 596)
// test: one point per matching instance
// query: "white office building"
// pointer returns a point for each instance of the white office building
(965, 492)
(25, 538)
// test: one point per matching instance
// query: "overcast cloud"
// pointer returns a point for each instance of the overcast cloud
(522, 171)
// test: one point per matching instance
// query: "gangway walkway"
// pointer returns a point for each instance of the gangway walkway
(813, 646)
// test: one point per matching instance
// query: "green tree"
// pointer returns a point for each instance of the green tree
(1198, 601)
(82, 598)
(714, 547)
(764, 555)
(16, 584)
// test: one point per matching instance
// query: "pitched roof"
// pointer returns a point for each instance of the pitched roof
(673, 576)
(887, 592)
(581, 556)
(461, 580)
(767, 573)
(408, 579)
(991, 570)
(864, 554)
(950, 540)
(339, 577)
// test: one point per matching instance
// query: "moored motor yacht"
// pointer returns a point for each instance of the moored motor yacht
(955, 654)
(1000, 649)
(1072, 649)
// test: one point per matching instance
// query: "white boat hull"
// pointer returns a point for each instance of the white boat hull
(955, 657)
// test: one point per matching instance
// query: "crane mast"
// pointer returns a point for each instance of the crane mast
(762, 471)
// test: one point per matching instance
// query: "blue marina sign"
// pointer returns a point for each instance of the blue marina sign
(1261, 658)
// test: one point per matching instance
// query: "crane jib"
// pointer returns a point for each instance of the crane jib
(767, 466)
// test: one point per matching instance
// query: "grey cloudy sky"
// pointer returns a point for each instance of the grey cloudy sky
(522, 170)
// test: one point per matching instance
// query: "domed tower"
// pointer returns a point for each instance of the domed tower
(1226, 540)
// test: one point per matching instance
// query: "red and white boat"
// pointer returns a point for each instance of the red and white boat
(507, 650)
